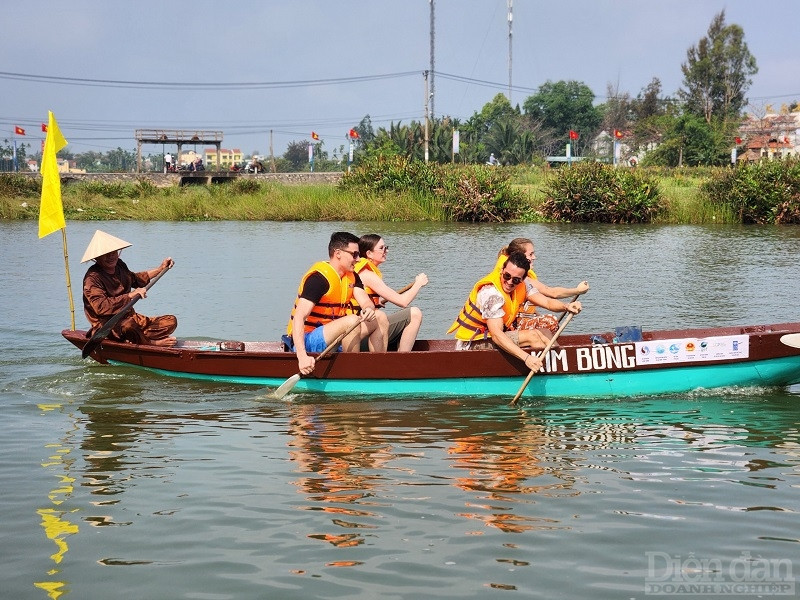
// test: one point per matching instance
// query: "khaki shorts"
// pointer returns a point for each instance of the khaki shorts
(488, 344)
(398, 321)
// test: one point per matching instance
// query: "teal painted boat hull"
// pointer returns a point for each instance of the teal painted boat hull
(597, 366)
(768, 373)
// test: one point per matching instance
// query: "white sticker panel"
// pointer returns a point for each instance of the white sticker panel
(688, 350)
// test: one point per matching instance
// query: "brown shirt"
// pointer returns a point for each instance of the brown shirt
(104, 294)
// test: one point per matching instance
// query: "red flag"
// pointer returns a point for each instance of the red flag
(617, 134)
(573, 135)
(44, 127)
(353, 134)
(314, 135)
(738, 140)
(19, 130)
(786, 140)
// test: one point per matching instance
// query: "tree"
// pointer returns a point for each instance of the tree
(717, 73)
(649, 102)
(562, 106)
(617, 111)
(297, 155)
(691, 141)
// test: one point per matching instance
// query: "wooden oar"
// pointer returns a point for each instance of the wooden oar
(289, 384)
(546, 349)
(101, 334)
(542, 355)
(563, 314)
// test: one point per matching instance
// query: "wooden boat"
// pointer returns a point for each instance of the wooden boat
(604, 365)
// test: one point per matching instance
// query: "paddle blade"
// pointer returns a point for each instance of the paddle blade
(286, 387)
(791, 339)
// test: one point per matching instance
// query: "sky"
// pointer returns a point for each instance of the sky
(269, 72)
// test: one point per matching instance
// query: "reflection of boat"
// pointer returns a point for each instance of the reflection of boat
(596, 366)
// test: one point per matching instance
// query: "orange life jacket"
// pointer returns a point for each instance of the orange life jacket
(528, 309)
(365, 263)
(470, 325)
(333, 304)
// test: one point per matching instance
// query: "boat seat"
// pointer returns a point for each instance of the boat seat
(288, 344)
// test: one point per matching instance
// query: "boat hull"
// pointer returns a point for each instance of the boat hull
(673, 361)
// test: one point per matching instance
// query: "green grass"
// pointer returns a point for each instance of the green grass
(272, 202)
(248, 200)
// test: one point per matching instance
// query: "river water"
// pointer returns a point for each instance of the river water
(119, 483)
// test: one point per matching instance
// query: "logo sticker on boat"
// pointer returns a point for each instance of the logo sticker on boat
(724, 347)
(612, 357)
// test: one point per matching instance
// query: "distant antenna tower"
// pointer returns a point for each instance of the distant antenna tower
(432, 70)
(510, 23)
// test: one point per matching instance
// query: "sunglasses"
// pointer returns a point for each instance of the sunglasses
(355, 253)
(515, 280)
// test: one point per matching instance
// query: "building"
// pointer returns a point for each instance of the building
(772, 136)
(227, 158)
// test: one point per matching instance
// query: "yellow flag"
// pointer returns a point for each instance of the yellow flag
(51, 210)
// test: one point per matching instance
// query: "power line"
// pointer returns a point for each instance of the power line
(227, 86)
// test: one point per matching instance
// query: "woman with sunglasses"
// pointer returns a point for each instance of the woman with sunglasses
(404, 324)
(488, 317)
(529, 318)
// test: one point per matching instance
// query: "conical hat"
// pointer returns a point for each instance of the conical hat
(102, 243)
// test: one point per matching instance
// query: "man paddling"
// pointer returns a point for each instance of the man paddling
(320, 312)
(109, 285)
(488, 315)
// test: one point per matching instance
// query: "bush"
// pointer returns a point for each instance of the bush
(12, 184)
(478, 193)
(466, 193)
(109, 190)
(241, 185)
(764, 192)
(592, 192)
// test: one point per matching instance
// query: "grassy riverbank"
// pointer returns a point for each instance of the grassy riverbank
(248, 200)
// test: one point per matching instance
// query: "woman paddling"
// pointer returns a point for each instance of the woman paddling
(404, 324)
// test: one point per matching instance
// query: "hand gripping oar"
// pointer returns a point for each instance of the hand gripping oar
(542, 355)
(546, 350)
(289, 384)
(101, 334)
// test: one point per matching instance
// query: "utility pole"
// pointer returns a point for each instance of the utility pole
(510, 23)
(427, 99)
(271, 155)
(432, 69)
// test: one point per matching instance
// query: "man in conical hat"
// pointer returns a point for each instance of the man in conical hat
(109, 285)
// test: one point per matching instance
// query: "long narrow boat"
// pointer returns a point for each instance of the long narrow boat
(670, 361)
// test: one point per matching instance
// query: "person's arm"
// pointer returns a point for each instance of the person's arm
(371, 280)
(167, 263)
(502, 341)
(551, 304)
(142, 278)
(304, 362)
(315, 287)
(96, 295)
(365, 302)
(560, 292)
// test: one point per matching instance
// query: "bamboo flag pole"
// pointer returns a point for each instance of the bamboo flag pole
(66, 272)
(51, 209)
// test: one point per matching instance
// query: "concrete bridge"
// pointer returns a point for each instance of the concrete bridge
(199, 178)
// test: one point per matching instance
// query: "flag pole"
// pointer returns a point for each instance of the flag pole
(51, 209)
(66, 272)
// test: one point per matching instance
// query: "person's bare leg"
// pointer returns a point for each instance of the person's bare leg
(409, 335)
(533, 338)
(379, 336)
(336, 328)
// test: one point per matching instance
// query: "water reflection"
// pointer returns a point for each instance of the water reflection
(350, 459)
(57, 520)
